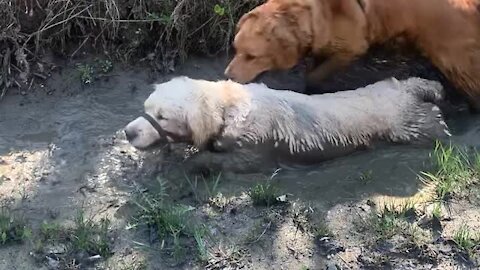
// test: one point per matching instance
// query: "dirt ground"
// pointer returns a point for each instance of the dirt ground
(62, 149)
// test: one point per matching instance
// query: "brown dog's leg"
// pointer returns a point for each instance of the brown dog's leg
(328, 67)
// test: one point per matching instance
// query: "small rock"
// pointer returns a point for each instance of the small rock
(328, 246)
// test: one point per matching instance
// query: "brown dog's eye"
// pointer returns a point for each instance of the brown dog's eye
(249, 57)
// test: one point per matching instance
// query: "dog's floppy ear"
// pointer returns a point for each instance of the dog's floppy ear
(252, 15)
(205, 120)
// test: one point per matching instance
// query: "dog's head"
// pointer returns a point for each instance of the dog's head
(177, 111)
(273, 36)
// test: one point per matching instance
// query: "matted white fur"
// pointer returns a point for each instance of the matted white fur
(198, 111)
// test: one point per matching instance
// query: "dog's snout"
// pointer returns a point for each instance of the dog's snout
(130, 134)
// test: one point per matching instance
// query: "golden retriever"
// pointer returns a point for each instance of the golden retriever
(253, 120)
(277, 34)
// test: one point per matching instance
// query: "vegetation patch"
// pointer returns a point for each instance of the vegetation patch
(68, 247)
(173, 224)
(163, 31)
(467, 240)
(13, 229)
(454, 170)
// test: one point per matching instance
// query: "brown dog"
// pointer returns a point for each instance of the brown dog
(279, 33)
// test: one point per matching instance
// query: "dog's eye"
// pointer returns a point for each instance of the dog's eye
(249, 57)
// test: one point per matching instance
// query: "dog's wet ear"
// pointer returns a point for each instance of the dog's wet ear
(203, 121)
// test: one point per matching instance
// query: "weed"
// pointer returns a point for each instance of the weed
(390, 219)
(166, 219)
(173, 224)
(90, 237)
(219, 10)
(86, 73)
(264, 194)
(12, 229)
(65, 243)
(104, 66)
(199, 235)
(168, 30)
(453, 171)
(322, 230)
(466, 240)
(417, 235)
(366, 177)
(437, 210)
(209, 188)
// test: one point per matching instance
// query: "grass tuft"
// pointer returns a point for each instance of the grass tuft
(173, 223)
(90, 237)
(264, 194)
(466, 240)
(392, 218)
(453, 171)
(71, 245)
(12, 228)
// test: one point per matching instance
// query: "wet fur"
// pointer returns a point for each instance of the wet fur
(258, 123)
(336, 32)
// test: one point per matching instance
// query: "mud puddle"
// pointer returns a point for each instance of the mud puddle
(62, 149)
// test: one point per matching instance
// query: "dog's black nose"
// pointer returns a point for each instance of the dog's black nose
(130, 135)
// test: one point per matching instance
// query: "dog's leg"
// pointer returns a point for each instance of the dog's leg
(329, 66)
(225, 144)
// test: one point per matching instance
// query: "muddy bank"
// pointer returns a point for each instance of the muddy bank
(62, 149)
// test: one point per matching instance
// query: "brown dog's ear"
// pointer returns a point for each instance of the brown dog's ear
(349, 7)
(248, 16)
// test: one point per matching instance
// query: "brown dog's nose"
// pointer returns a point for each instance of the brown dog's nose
(131, 135)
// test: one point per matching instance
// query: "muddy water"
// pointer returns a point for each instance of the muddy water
(77, 132)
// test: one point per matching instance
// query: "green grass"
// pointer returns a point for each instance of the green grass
(85, 73)
(12, 228)
(264, 194)
(322, 230)
(437, 210)
(204, 192)
(391, 219)
(466, 240)
(89, 236)
(453, 171)
(173, 223)
(199, 234)
(83, 237)
(88, 73)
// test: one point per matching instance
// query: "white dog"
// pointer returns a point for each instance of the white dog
(287, 126)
